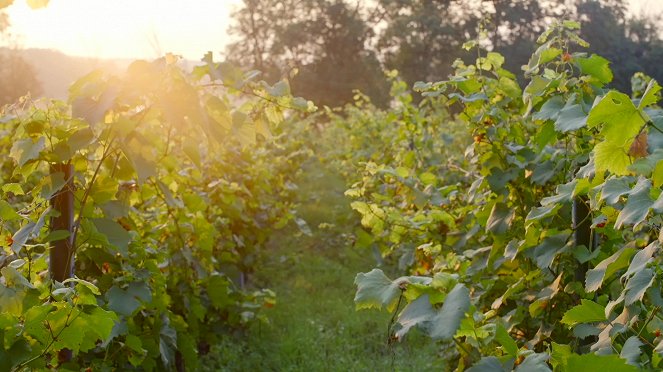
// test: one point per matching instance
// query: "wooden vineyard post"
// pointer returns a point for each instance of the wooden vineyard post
(61, 264)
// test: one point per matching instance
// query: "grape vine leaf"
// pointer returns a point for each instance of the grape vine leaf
(614, 188)
(114, 232)
(637, 206)
(502, 336)
(487, 364)
(631, 350)
(21, 236)
(121, 301)
(572, 117)
(416, 313)
(637, 286)
(7, 212)
(500, 219)
(650, 96)
(26, 149)
(622, 122)
(642, 258)
(587, 312)
(376, 290)
(534, 363)
(596, 67)
(447, 320)
(606, 268)
(594, 362)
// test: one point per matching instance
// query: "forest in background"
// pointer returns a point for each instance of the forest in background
(337, 46)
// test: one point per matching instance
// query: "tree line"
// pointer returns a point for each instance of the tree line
(330, 47)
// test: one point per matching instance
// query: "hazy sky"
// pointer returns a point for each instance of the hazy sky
(140, 28)
(124, 28)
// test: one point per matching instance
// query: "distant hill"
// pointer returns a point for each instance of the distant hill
(56, 70)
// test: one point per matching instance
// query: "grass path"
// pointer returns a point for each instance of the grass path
(314, 326)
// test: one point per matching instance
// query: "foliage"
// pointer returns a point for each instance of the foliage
(501, 275)
(179, 178)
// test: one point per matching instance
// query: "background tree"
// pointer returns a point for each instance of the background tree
(326, 41)
(338, 45)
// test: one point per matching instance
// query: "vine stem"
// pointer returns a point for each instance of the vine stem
(88, 190)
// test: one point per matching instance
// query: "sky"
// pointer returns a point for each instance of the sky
(124, 28)
(141, 28)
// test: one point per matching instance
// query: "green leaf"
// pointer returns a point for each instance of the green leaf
(502, 336)
(218, 291)
(57, 235)
(596, 67)
(26, 149)
(416, 313)
(14, 188)
(606, 268)
(559, 356)
(622, 122)
(500, 219)
(638, 205)
(642, 258)
(612, 157)
(93, 288)
(650, 96)
(52, 184)
(637, 286)
(22, 236)
(7, 213)
(545, 253)
(487, 364)
(114, 232)
(614, 188)
(593, 362)
(121, 301)
(572, 117)
(534, 363)
(447, 320)
(587, 312)
(550, 109)
(565, 194)
(375, 290)
(631, 351)
(538, 213)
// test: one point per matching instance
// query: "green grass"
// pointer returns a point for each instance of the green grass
(314, 325)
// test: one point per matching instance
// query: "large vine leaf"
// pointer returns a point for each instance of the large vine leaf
(500, 219)
(572, 117)
(637, 206)
(622, 122)
(631, 351)
(638, 285)
(605, 268)
(593, 362)
(376, 290)
(447, 320)
(534, 363)
(587, 312)
(614, 188)
(596, 67)
(26, 149)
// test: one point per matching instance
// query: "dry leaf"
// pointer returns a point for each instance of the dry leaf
(639, 147)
